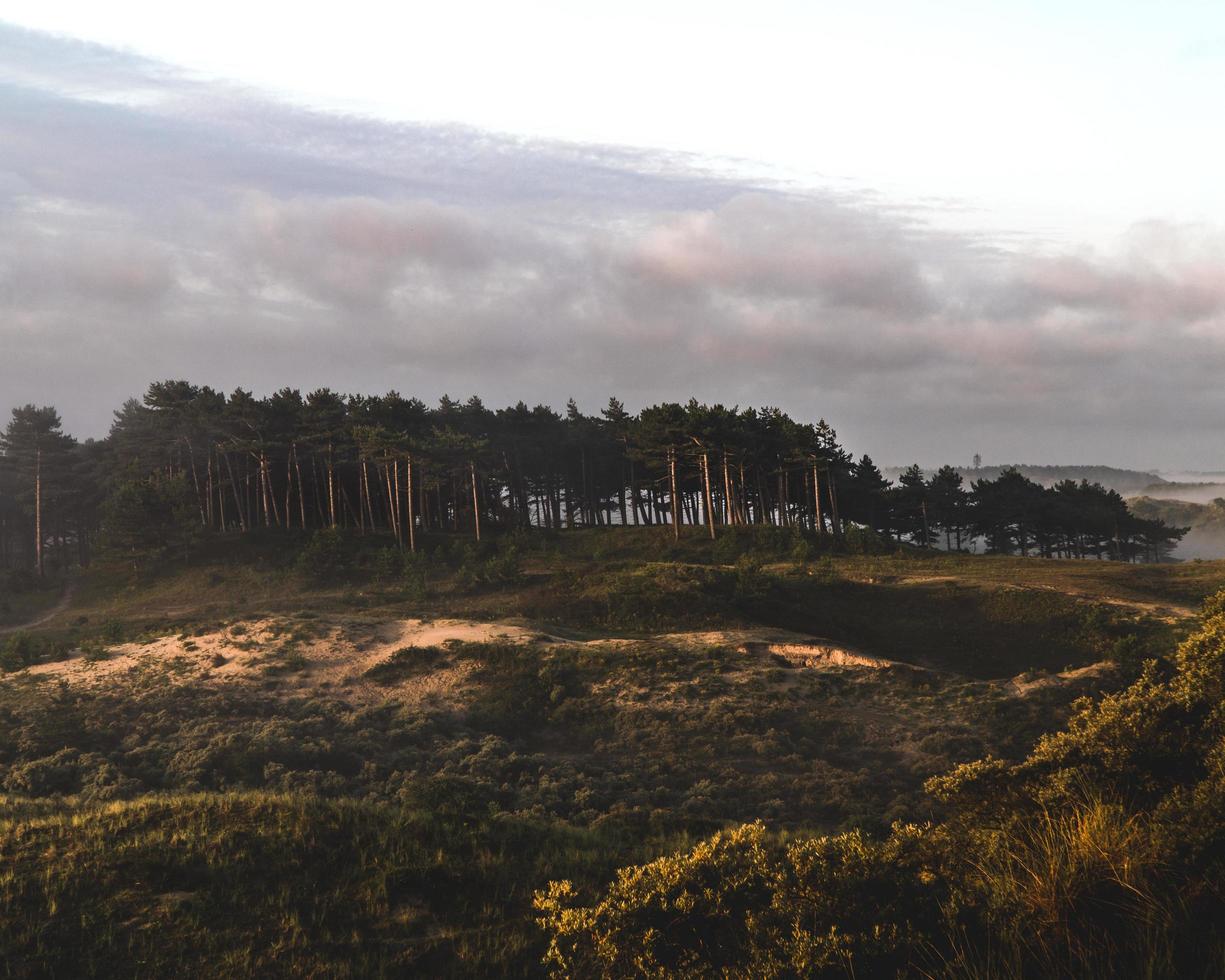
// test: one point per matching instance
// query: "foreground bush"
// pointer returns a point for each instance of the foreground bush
(746, 904)
(1101, 854)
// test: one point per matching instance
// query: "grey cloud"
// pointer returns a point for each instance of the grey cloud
(59, 259)
(767, 245)
(355, 250)
(156, 225)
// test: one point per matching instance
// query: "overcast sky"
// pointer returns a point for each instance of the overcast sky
(947, 228)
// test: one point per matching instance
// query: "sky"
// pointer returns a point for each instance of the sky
(948, 228)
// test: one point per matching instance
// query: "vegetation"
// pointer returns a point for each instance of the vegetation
(1126, 482)
(1206, 522)
(188, 460)
(249, 730)
(1100, 854)
(349, 687)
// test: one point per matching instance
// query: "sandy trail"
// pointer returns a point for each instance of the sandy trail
(1023, 688)
(63, 603)
(1170, 611)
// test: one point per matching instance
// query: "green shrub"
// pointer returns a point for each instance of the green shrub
(742, 903)
(405, 663)
(1100, 854)
(22, 650)
(19, 651)
(751, 582)
(324, 558)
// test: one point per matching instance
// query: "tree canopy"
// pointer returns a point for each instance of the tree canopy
(391, 464)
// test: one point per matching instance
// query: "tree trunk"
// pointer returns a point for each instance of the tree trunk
(710, 504)
(208, 494)
(242, 514)
(195, 479)
(816, 501)
(395, 465)
(38, 510)
(392, 502)
(331, 487)
(835, 520)
(288, 489)
(264, 490)
(729, 504)
(412, 517)
(476, 504)
(676, 503)
(220, 492)
(369, 496)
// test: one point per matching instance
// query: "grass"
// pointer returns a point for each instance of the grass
(161, 822)
(238, 578)
(256, 884)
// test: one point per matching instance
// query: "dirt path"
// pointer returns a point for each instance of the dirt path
(1170, 611)
(64, 602)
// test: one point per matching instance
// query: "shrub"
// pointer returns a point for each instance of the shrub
(19, 651)
(405, 663)
(742, 903)
(1100, 854)
(324, 558)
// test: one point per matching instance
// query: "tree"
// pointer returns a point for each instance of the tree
(35, 445)
(868, 501)
(910, 504)
(391, 465)
(948, 502)
(151, 518)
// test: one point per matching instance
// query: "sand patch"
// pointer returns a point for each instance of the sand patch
(282, 658)
(821, 655)
(1025, 685)
(288, 657)
(799, 648)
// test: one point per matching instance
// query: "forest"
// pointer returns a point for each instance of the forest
(187, 460)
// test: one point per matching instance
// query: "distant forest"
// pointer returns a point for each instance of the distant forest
(1127, 482)
(185, 461)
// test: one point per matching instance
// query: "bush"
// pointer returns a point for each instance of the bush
(405, 663)
(742, 903)
(1101, 854)
(325, 558)
(18, 651)
(22, 650)
(487, 565)
(751, 582)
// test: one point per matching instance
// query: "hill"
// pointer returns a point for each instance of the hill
(381, 758)
(1206, 538)
(1196, 493)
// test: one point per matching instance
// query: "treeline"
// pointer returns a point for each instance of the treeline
(189, 460)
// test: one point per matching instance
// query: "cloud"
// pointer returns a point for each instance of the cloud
(159, 225)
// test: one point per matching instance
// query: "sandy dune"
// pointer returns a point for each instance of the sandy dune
(303, 658)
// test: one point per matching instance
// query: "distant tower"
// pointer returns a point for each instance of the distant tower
(978, 462)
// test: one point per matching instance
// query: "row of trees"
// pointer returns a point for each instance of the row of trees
(1014, 515)
(391, 464)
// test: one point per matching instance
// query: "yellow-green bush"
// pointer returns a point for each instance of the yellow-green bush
(1101, 854)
